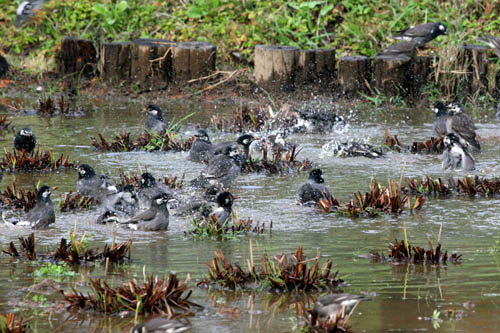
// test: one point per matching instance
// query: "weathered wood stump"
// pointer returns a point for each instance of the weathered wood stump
(316, 67)
(116, 60)
(151, 62)
(474, 59)
(192, 60)
(392, 75)
(276, 66)
(354, 74)
(422, 67)
(77, 56)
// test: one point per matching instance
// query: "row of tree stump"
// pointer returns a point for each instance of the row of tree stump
(157, 63)
(150, 63)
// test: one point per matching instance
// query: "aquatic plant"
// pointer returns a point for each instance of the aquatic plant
(337, 324)
(378, 200)
(18, 199)
(154, 296)
(427, 185)
(210, 228)
(4, 123)
(134, 179)
(20, 161)
(75, 200)
(431, 146)
(168, 141)
(12, 323)
(50, 269)
(278, 164)
(74, 252)
(288, 272)
(48, 107)
(403, 252)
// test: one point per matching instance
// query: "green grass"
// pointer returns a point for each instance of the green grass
(352, 26)
(54, 270)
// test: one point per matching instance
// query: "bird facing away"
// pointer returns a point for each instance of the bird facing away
(153, 219)
(26, 10)
(440, 116)
(161, 325)
(459, 123)
(25, 140)
(455, 156)
(422, 34)
(42, 215)
(155, 121)
(493, 42)
(201, 149)
(313, 190)
(335, 306)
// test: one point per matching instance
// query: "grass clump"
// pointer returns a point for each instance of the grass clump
(155, 295)
(210, 228)
(18, 199)
(11, 323)
(20, 161)
(75, 200)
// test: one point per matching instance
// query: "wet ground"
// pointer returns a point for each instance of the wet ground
(402, 297)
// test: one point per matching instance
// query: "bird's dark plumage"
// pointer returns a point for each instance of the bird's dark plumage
(155, 121)
(198, 204)
(460, 124)
(455, 156)
(156, 218)
(311, 120)
(25, 140)
(150, 188)
(440, 116)
(4, 66)
(222, 213)
(91, 184)
(423, 33)
(221, 170)
(356, 149)
(314, 189)
(42, 215)
(493, 42)
(201, 149)
(403, 48)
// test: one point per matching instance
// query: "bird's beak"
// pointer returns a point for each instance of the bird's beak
(144, 110)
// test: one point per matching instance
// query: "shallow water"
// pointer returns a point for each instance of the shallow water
(401, 297)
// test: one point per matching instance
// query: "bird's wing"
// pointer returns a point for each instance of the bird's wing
(218, 167)
(146, 215)
(421, 30)
(493, 42)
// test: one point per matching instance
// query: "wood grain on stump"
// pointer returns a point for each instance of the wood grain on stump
(116, 60)
(276, 66)
(474, 59)
(316, 67)
(392, 75)
(354, 74)
(151, 62)
(192, 60)
(422, 68)
(76, 56)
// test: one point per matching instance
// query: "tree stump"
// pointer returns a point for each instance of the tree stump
(422, 67)
(77, 56)
(316, 67)
(392, 75)
(354, 74)
(116, 60)
(276, 66)
(192, 60)
(151, 62)
(474, 59)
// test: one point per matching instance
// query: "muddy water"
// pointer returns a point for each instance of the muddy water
(401, 297)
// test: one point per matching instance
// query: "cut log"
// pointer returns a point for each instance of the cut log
(151, 63)
(354, 74)
(276, 66)
(475, 61)
(392, 75)
(77, 56)
(422, 68)
(316, 67)
(192, 60)
(115, 61)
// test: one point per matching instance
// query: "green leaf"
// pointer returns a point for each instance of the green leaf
(195, 12)
(100, 9)
(122, 6)
(325, 10)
